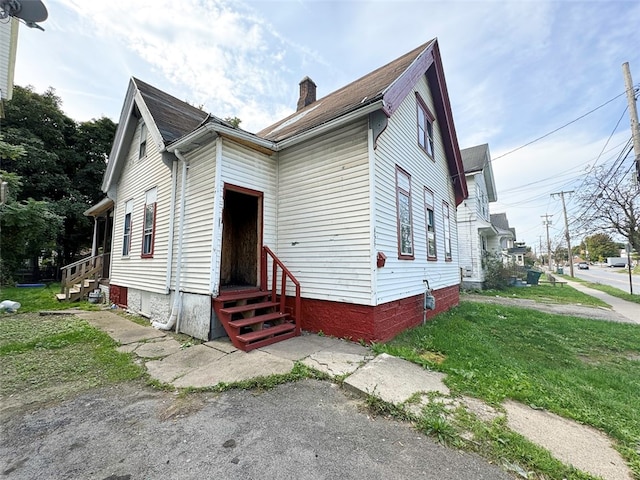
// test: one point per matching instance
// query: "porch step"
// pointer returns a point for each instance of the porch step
(251, 319)
(249, 307)
(267, 336)
(258, 320)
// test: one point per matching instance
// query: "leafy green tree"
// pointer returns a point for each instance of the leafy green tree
(63, 162)
(27, 229)
(599, 246)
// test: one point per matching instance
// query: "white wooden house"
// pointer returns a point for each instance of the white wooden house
(351, 200)
(477, 236)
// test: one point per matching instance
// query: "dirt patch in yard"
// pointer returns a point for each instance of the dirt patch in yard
(595, 313)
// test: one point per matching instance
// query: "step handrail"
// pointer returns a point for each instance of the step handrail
(77, 272)
(286, 274)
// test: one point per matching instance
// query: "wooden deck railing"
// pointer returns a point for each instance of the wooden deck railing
(75, 274)
(279, 276)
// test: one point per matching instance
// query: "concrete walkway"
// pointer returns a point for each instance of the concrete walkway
(627, 309)
(388, 378)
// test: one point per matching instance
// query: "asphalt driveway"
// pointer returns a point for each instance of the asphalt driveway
(304, 430)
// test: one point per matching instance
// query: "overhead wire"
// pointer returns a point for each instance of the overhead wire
(561, 127)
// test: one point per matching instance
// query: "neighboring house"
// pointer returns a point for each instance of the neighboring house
(354, 195)
(476, 234)
(8, 46)
(505, 238)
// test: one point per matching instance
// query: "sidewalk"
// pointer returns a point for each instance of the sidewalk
(388, 378)
(625, 308)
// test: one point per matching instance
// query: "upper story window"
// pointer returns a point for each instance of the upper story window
(425, 126)
(126, 233)
(143, 140)
(447, 231)
(405, 222)
(149, 225)
(431, 224)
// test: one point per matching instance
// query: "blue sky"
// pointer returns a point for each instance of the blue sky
(515, 70)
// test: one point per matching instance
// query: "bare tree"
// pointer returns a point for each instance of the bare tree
(611, 203)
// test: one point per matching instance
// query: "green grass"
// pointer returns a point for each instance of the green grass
(613, 291)
(35, 299)
(582, 369)
(546, 293)
(47, 358)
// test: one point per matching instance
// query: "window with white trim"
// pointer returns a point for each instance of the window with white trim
(126, 233)
(447, 231)
(430, 222)
(143, 140)
(425, 126)
(149, 225)
(405, 222)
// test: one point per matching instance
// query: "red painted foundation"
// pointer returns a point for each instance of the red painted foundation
(372, 324)
(118, 295)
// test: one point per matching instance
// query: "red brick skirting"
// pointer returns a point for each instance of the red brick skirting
(380, 323)
(118, 295)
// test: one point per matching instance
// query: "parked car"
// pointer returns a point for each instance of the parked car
(583, 266)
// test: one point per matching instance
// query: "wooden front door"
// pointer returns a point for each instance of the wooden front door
(241, 237)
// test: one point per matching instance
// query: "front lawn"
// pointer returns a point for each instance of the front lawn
(47, 358)
(547, 294)
(587, 370)
(35, 299)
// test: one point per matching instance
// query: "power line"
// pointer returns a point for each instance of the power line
(559, 128)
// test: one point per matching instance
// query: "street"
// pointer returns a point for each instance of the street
(615, 277)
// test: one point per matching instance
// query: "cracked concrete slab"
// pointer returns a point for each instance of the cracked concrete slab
(395, 380)
(162, 348)
(584, 447)
(222, 344)
(119, 328)
(335, 363)
(297, 348)
(235, 367)
(182, 362)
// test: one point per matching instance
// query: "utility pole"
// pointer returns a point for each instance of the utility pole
(566, 231)
(633, 116)
(546, 222)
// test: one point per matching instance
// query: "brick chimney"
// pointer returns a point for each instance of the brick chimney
(307, 93)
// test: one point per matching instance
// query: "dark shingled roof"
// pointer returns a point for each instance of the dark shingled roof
(475, 158)
(174, 118)
(500, 220)
(363, 91)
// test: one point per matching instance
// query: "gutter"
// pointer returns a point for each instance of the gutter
(218, 129)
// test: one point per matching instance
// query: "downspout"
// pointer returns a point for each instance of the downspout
(172, 215)
(176, 309)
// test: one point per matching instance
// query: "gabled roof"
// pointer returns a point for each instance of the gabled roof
(173, 118)
(478, 160)
(475, 158)
(501, 223)
(174, 124)
(388, 86)
(364, 91)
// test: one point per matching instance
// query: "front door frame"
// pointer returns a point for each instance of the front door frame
(229, 187)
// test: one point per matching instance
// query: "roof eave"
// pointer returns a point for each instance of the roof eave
(331, 124)
(217, 129)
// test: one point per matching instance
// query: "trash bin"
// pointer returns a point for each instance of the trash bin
(559, 271)
(533, 276)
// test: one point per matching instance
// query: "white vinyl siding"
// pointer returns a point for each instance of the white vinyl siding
(324, 215)
(397, 145)
(8, 45)
(248, 168)
(135, 180)
(198, 220)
